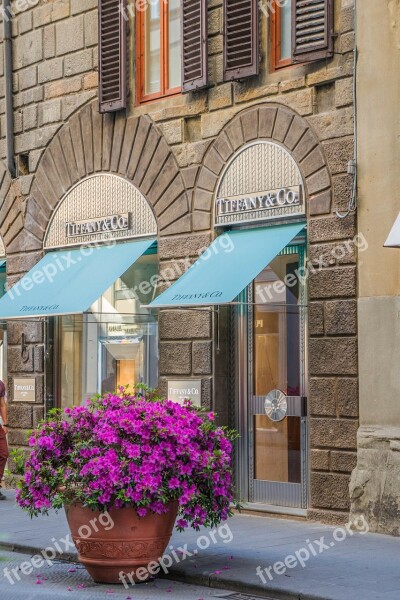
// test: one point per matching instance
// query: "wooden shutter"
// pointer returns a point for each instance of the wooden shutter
(194, 44)
(112, 55)
(312, 30)
(241, 52)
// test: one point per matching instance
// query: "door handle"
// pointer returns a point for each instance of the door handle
(296, 405)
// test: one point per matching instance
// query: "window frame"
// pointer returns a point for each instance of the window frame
(165, 91)
(276, 62)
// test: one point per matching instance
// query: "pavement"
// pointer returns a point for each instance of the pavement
(66, 581)
(250, 556)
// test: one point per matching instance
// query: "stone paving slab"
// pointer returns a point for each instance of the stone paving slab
(66, 581)
(349, 567)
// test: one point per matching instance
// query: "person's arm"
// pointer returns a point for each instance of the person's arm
(3, 411)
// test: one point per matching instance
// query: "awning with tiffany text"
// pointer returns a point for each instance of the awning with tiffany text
(232, 261)
(69, 281)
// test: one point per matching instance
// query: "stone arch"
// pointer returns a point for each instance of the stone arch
(91, 143)
(10, 208)
(276, 123)
(101, 194)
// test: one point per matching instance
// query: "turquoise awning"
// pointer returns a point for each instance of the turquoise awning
(232, 261)
(69, 281)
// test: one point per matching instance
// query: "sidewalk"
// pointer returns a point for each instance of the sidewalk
(339, 566)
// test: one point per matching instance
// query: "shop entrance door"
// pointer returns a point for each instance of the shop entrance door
(274, 423)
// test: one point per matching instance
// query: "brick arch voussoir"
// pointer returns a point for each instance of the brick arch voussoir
(132, 147)
(12, 209)
(280, 124)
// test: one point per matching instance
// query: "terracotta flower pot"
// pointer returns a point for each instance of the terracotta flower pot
(132, 542)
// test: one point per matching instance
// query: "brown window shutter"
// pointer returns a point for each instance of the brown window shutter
(312, 30)
(194, 44)
(241, 52)
(112, 55)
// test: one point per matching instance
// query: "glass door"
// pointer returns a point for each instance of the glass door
(274, 403)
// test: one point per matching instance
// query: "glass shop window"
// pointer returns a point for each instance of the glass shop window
(115, 343)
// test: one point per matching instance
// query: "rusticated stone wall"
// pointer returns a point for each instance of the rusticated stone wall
(333, 366)
(174, 150)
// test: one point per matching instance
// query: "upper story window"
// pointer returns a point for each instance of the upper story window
(172, 43)
(281, 34)
(158, 37)
(301, 31)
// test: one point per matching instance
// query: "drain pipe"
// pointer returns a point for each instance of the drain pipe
(352, 167)
(8, 78)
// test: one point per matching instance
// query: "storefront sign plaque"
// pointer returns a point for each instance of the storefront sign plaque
(24, 389)
(271, 204)
(110, 224)
(261, 183)
(188, 389)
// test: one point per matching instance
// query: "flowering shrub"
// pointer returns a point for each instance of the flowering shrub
(127, 450)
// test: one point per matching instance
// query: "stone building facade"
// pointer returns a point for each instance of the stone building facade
(375, 483)
(174, 151)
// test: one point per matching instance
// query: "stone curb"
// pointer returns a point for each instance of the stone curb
(26, 549)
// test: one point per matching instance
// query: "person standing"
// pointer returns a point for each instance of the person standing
(3, 434)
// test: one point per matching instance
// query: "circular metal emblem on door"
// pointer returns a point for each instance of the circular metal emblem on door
(276, 405)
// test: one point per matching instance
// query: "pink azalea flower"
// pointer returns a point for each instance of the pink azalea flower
(127, 450)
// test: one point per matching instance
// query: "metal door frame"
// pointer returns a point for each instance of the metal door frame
(243, 335)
